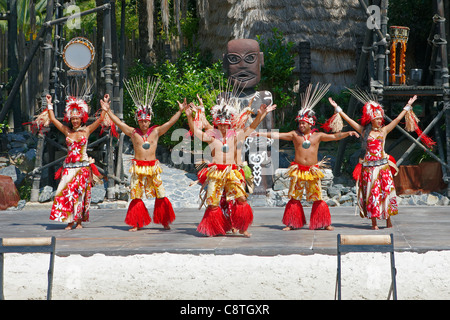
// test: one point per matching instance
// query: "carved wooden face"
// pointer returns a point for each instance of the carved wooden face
(243, 62)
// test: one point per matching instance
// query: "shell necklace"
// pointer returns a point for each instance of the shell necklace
(146, 144)
(225, 147)
(306, 144)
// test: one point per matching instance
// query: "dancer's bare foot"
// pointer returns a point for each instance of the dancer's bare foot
(166, 227)
(133, 229)
(288, 228)
(69, 226)
(329, 228)
(374, 224)
(79, 226)
(245, 233)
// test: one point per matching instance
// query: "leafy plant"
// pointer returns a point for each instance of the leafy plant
(277, 73)
(188, 76)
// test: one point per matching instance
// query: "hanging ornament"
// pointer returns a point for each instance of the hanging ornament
(146, 145)
(306, 144)
(225, 148)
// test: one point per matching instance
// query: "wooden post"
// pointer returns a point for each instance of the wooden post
(34, 196)
(109, 83)
(13, 64)
(445, 84)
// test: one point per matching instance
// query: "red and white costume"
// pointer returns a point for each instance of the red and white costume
(375, 185)
(73, 195)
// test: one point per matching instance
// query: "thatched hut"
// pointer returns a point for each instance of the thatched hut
(333, 28)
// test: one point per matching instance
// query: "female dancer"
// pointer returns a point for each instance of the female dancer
(375, 183)
(73, 195)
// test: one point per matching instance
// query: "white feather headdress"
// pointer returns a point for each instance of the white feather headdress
(309, 99)
(143, 92)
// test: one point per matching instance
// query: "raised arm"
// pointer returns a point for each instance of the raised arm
(93, 126)
(390, 126)
(262, 113)
(105, 103)
(355, 125)
(196, 131)
(166, 126)
(51, 115)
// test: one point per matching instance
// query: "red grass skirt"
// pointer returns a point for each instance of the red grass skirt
(294, 216)
(163, 212)
(137, 214)
(320, 215)
(214, 222)
(241, 215)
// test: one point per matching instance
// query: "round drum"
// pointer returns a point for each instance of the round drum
(399, 33)
(78, 53)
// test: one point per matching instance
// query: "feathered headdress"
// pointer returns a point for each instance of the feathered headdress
(229, 109)
(309, 99)
(76, 108)
(372, 109)
(224, 112)
(78, 96)
(143, 94)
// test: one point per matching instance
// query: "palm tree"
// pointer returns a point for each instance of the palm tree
(30, 13)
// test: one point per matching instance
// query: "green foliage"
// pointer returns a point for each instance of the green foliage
(25, 189)
(188, 76)
(277, 73)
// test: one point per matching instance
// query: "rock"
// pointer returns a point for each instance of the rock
(46, 194)
(98, 194)
(20, 205)
(13, 172)
(281, 184)
(332, 203)
(432, 200)
(9, 196)
(334, 191)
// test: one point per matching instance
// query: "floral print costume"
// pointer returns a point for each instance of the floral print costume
(222, 178)
(73, 195)
(305, 178)
(375, 187)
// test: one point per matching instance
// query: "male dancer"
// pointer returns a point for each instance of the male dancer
(223, 175)
(305, 171)
(145, 170)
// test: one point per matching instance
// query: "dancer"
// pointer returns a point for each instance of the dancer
(223, 177)
(375, 183)
(305, 171)
(145, 169)
(73, 195)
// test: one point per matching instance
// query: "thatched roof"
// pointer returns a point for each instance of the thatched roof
(333, 27)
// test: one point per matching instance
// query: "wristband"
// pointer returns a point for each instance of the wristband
(50, 106)
(338, 109)
(408, 107)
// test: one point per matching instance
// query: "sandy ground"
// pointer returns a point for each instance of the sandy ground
(209, 277)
